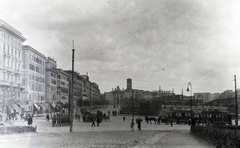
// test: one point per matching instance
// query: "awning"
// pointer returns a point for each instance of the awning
(37, 106)
(53, 105)
(42, 105)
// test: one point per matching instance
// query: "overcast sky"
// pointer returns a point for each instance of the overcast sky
(165, 43)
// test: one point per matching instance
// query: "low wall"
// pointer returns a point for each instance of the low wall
(221, 136)
(17, 129)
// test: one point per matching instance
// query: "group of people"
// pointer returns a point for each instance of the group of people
(138, 123)
(59, 120)
(114, 113)
(97, 119)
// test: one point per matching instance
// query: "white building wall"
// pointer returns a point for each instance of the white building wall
(10, 63)
(34, 74)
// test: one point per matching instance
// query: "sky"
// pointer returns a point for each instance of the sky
(166, 43)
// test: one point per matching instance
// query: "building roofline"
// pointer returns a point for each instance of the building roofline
(48, 59)
(11, 29)
(27, 47)
(62, 71)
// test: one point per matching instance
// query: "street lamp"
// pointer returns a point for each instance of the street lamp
(190, 89)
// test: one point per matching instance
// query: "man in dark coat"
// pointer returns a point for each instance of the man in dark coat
(47, 117)
(139, 125)
(98, 121)
(30, 120)
(93, 121)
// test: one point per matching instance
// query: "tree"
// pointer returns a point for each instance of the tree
(226, 94)
(154, 94)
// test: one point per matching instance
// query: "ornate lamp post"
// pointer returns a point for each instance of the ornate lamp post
(190, 89)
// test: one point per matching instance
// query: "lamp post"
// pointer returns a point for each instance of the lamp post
(190, 89)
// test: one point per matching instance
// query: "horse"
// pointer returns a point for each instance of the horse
(107, 118)
(152, 119)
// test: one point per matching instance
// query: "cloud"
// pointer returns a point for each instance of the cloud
(191, 40)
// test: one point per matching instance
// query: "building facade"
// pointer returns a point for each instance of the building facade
(77, 88)
(51, 83)
(33, 78)
(10, 65)
(62, 86)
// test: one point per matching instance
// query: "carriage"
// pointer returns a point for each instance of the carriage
(205, 117)
(215, 118)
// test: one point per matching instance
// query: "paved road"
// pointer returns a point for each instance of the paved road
(116, 134)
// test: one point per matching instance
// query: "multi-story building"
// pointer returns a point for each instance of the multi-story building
(10, 65)
(77, 88)
(51, 83)
(33, 78)
(83, 89)
(86, 87)
(95, 92)
(62, 86)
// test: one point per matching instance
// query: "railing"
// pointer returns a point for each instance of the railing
(219, 135)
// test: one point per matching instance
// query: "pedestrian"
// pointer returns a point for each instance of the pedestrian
(139, 125)
(189, 122)
(132, 125)
(124, 119)
(171, 122)
(93, 121)
(30, 120)
(54, 120)
(98, 121)
(47, 117)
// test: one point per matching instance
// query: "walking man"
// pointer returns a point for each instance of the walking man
(132, 125)
(171, 122)
(139, 125)
(93, 121)
(98, 121)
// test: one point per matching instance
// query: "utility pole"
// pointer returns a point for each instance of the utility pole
(182, 99)
(236, 104)
(132, 106)
(71, 99)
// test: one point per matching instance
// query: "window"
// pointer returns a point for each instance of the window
(54, 82)
(62, 83)
(8, 50)
(37, 69)
(54, 97)
(32, 67)
(4, 59)
(3, 76)
(53, 88)
(8, 62)
(4, 48)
